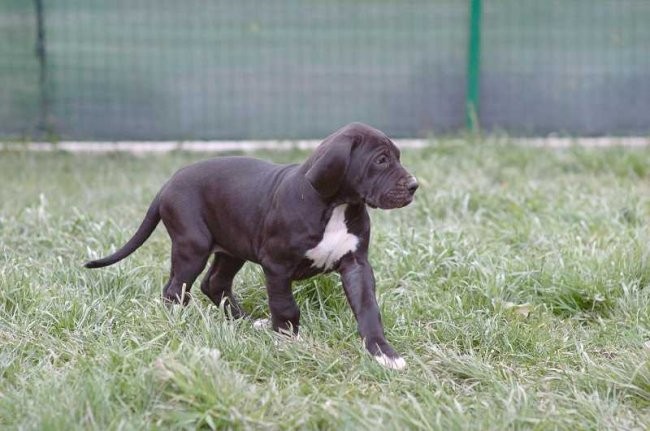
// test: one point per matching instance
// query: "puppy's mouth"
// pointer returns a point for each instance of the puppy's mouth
(390, 201)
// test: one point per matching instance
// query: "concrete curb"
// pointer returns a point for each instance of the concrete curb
(168, 146)
(143, 147)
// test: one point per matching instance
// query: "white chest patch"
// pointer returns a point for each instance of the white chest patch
(336, 242)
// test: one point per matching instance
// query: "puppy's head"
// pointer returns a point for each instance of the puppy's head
(360, 162)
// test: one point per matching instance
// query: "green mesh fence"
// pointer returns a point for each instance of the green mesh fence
(566, 66)
(202, 69)
(19, 69)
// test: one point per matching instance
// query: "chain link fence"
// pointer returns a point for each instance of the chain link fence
(285, 69)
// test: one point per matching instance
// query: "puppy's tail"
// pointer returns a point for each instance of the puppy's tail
(141, 235)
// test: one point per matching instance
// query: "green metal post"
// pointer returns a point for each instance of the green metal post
(473, 66)
(44, 121)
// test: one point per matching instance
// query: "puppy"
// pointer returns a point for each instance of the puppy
(295, 221)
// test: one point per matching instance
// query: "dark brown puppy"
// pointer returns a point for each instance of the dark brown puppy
(295, 221)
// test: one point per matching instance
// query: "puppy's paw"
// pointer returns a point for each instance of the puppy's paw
(396, 363)
(264, 324)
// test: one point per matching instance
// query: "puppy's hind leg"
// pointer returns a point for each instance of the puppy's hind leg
(217, 284)
(188, 260)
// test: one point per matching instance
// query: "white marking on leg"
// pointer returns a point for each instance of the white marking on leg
(393, 363)
(336, 242)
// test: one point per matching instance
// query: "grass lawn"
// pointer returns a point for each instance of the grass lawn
(517, 287)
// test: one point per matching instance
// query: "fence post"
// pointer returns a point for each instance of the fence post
(44, 125)
(473, 66)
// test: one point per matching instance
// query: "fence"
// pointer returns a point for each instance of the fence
(214, 69)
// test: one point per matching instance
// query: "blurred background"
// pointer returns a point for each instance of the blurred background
(289, 69)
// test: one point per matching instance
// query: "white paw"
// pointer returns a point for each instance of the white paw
(262, 324)
(393, 363)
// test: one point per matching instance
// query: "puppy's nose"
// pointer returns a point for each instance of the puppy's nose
(412, 185)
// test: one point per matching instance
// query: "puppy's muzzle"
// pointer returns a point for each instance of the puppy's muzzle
(401, 195)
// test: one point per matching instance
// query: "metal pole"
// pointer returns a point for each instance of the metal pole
(41, 54)
(473, 66)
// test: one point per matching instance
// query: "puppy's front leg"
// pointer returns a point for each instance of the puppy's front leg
(359, 285)
(285, 314)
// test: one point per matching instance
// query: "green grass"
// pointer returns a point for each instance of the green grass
(563, 231)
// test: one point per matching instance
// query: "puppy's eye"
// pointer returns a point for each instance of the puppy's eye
(382, 160)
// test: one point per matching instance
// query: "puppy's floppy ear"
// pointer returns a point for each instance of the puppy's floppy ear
(329, 164)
